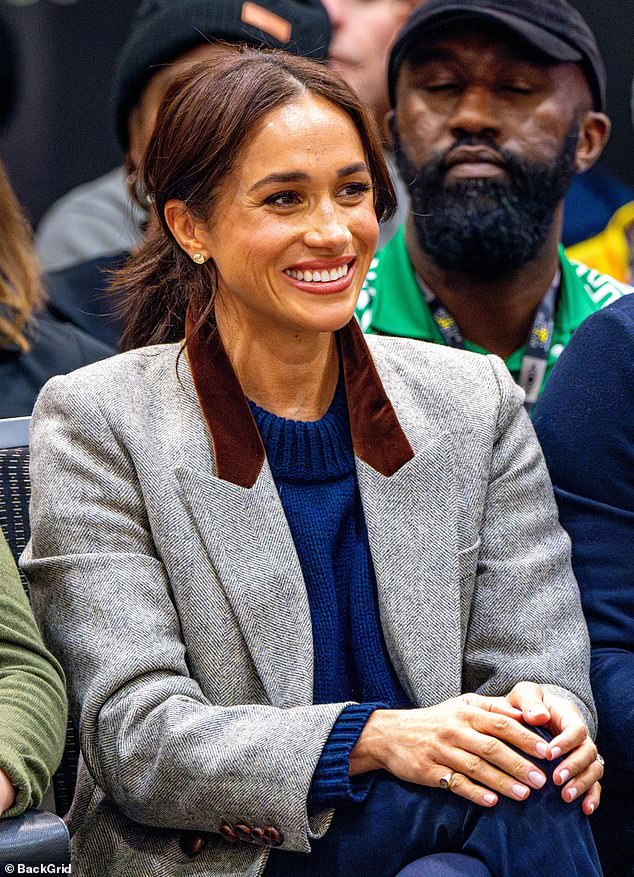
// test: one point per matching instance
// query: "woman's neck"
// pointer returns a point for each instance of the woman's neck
(292, 375)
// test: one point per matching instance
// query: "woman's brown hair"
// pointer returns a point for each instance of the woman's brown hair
(208, 114)
(20, 288)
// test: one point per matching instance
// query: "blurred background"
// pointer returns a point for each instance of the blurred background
(61, 130)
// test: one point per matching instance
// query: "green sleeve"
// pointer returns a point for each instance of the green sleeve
(32, 695)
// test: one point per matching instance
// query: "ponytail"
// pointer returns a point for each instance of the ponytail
(155, 287)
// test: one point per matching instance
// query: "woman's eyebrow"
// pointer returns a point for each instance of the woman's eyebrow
(355, 168)
(300, 177)
(288, 177)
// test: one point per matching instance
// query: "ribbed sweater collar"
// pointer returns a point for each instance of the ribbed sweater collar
(308, 451)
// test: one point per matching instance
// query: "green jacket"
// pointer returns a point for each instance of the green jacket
(32, 695)
(391, 302)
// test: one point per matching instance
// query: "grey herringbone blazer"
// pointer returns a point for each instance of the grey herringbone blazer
(176, 602)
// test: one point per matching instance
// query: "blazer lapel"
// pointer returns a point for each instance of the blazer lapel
(408, 516)
(247, 537)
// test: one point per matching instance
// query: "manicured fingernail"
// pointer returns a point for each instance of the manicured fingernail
(572, 793)
(537, 779)
(555, 752)
(520, 791)
(490, 799)
(591, 808)
(541, 749)
(563, 775)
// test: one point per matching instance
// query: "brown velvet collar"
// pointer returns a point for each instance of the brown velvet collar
(377, 436)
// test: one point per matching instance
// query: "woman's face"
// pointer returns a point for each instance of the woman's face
(294, 228)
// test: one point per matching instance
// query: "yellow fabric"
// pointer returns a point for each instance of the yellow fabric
(608, 252)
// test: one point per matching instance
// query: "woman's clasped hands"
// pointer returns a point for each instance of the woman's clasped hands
(474, 746)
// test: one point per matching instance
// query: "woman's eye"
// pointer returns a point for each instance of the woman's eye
(355, 190)
(283, 199)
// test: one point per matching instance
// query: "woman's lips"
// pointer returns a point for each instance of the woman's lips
(340, 276)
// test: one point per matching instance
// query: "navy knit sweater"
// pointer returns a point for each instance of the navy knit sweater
(314, 470)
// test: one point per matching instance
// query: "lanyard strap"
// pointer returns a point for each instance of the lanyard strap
(540, 338)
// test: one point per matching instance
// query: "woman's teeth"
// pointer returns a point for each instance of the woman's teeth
(319, 276)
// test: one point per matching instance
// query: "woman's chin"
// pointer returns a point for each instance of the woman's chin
(325, 324)
(329, 315)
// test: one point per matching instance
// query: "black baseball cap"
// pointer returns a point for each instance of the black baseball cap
(553, 27)
(164, 29)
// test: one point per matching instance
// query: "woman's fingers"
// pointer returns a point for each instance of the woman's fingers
(581, 783)
(579, 771)
(529, 698)
(496, 765)
(459, 784)
(592, 799)
(583, 756)
(480, 771)
(573, 733)
(510, 731)
(493, 705)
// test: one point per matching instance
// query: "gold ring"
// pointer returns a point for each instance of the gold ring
(445, 782)
(600, 759)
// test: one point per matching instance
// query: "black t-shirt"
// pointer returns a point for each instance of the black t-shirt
(79, 295)
(56, 348)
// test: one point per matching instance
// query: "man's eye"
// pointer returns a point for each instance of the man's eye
(440, 87)
(283, 199)
(516, 88)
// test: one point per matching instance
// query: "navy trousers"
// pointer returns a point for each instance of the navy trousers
(400, 824)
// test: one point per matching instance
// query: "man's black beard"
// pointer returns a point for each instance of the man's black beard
(487, 228)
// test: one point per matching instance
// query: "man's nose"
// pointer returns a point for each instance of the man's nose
(476, 112)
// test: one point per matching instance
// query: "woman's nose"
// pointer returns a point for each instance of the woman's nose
(328, 230)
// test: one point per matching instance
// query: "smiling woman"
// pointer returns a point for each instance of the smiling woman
(304, 229)
(311, 595)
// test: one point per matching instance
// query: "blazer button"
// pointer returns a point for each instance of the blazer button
(243, 832)
(274, 836)
(227, 831)
(192, 843)
(258, 835)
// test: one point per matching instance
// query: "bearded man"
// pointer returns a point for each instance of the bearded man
(496, 104)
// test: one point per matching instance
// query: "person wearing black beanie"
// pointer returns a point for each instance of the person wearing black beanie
(91, 229)
(164, 31)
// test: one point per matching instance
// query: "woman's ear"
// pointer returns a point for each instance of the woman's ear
(594, 131)
(186, 230)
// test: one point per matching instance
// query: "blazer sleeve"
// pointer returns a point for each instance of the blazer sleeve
(526, 619)
(150, 738)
